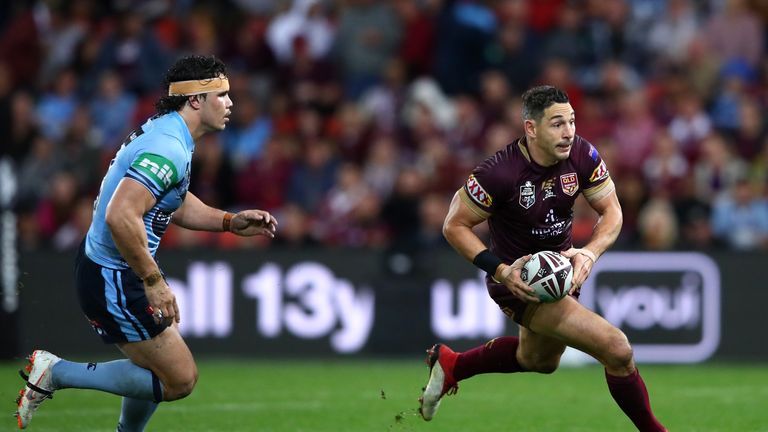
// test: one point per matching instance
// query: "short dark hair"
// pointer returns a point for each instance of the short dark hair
(193, 67)
(537, 99)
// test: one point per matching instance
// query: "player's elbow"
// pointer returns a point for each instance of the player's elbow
(112, 217)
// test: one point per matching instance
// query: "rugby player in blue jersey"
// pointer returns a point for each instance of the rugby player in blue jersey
(121, 289)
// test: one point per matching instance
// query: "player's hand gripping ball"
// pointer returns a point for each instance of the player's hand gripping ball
(549, 274)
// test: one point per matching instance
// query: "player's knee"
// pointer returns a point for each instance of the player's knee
(542, 365)
(619, 352)
(181, 387)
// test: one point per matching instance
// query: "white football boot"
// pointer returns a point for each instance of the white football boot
(441, 361)
(39, 386)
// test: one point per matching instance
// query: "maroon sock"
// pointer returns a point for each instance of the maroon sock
(630, 394)
(496, 355)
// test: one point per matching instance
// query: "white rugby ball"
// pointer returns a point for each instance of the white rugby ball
(549, 274)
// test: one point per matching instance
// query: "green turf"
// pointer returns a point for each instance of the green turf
(381, 396)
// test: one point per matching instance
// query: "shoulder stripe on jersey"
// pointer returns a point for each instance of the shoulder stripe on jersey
(144, 181)
(523, 149)
(597, 193)
(472, 205)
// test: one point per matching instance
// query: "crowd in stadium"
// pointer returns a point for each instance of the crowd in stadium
(355, 121)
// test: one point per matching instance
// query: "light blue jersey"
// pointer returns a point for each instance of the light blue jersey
(158, 156)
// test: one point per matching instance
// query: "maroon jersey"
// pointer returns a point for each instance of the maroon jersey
(530, 207)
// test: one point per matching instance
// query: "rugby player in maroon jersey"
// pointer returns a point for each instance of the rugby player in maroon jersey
(526, 192)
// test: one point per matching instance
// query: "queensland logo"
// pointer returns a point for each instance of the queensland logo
(569, 183)
(478, 194)
(548, 187)
(599, 173)
(527, 195)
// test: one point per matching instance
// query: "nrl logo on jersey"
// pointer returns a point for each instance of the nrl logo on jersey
(527, 195)
(477, 192)
(156, 167)
(569, 183)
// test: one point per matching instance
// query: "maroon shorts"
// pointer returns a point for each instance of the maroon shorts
(516, 309)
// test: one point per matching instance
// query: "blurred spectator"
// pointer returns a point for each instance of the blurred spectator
(213, 179)
(749, 136)
(368, 36)
(568, 41)
(614, 35)
(559, 73)
(735, 79)
(248, 132)
(693, 215)
(690, 124)
(21, 44)
(22, 127)
(36, 171)
(495, 93)
(736, 33)
(55, 108)
(666, 167)
(305, 20)
(68, 25)
(740, 218)
(657, 225)
(294, 227)
(348, 213)
(71, 233)
(432, 211)
(78, 152)
(439, 167)
(718, 169)
(400, 212)
(133, 52)
(418, 38)
(466, 30)
(702, 68)
(263, 182)
(634, 130)
(110, 108)
(314, 175)
(355, 132)
(516, 54)
(465, 137)
(672, 33)
(58, 205)
(382, 166)
(384, 101)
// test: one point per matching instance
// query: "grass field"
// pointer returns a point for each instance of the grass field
(380, 395)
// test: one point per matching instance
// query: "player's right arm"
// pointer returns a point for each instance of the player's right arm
(124, 217)
(457, 229)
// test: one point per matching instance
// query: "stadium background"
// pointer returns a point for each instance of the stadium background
(354, 122)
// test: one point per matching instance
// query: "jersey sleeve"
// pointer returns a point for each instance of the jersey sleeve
(593, 173)
(484, 188)
(156, 168)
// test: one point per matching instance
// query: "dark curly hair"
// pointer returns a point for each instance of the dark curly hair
(537, 99)
(193, 67)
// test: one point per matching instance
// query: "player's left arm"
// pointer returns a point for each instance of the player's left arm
(196, 215)
(605, 233)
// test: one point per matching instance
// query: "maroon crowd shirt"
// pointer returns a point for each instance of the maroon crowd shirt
(530, 207)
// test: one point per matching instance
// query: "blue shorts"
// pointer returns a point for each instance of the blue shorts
(114, 302)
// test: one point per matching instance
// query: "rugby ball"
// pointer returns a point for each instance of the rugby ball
(549, 274)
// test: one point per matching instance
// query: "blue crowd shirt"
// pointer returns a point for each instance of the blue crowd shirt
(158, 156)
